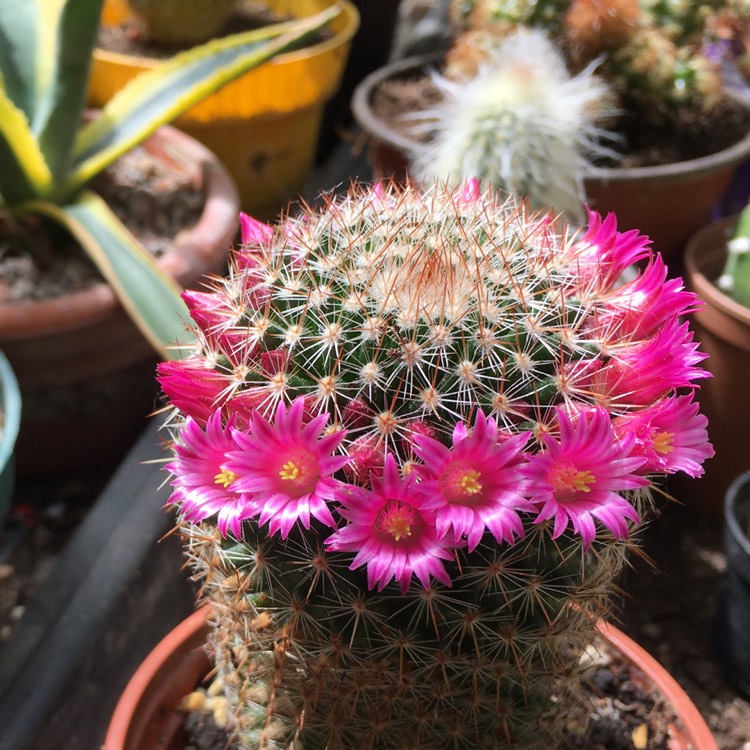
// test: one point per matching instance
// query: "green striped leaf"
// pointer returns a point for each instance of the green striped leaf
(45, 56)
(159, 96)
(150, 297)
(24, 173)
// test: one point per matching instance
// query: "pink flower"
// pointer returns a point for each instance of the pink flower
(204, 486)
(476, 485)
(671, 435)
(577, 478)
(392, 532)
(641, 373)
(193, 387)
(254, 232)
(287, 467)
(218, 322)
(639, 308)
(604, 253)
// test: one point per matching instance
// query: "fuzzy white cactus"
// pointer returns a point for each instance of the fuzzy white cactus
(523, 124)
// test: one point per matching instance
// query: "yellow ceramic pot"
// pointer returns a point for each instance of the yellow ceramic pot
(264, 126)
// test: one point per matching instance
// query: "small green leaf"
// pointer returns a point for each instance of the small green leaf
(159, 96)
(151, 298)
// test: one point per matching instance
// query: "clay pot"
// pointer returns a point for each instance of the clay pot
(264, 126)
(733, 614)
(668, 203)
(146, 715)
(85, 372)
(723, 329)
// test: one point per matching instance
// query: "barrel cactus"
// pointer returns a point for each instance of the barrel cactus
(411, 451)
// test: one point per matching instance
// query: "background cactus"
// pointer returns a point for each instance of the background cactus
(521, 123)
(183, 22)
(661, 60)
(410, 448)
(735, 277)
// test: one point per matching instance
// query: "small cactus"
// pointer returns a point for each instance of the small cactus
(522, 123)
(183, 23)
(410, 451)
(735, 277)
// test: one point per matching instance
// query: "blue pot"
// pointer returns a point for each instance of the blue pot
(733, 617)
(10, 398)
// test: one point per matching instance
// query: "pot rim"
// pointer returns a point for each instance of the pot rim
(363, 113)
(190, 629)
(730, 512)
(703, 254)
(216, 225)
(10, 396)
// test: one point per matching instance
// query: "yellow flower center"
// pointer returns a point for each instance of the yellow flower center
(663, 442)
(225, 478)
(396, 519)
(290, 471)
(566, 480)
(469, 482)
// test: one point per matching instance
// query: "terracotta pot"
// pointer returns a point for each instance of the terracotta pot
(85, 372)
(723, 329)
(733, 614)
(263, 126)
(146, 715)
(668, 203)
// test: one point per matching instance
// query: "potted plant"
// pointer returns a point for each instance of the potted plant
(48, 159)
(264, 126)
(716, 269)
(669, 147)
(412, 449)
(733, 616)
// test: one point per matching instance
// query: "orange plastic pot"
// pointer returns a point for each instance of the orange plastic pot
(85, 372)
(669, 203)
(147, 714)
(264, 126)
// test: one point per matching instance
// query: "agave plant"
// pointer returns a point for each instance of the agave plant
(48, 154)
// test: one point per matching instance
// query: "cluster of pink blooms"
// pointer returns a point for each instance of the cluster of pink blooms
(285, 466)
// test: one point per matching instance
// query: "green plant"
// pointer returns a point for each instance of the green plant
(411, 443)
(183, 22)
(735, 277)
(48, 155)
(522, 124)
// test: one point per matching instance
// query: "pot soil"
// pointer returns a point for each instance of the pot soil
(85, 371)
(723, 329)
(667, 194)
(148, 713)
(264, 126)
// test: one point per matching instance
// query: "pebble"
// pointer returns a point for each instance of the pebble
(746, 746)
(6, 571)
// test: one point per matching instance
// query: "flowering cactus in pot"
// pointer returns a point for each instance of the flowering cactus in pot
(412, 448)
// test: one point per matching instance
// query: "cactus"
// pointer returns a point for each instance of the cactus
(178, 23)
(735, 277)
(412, 448)
(521, 124)
(661, 60)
